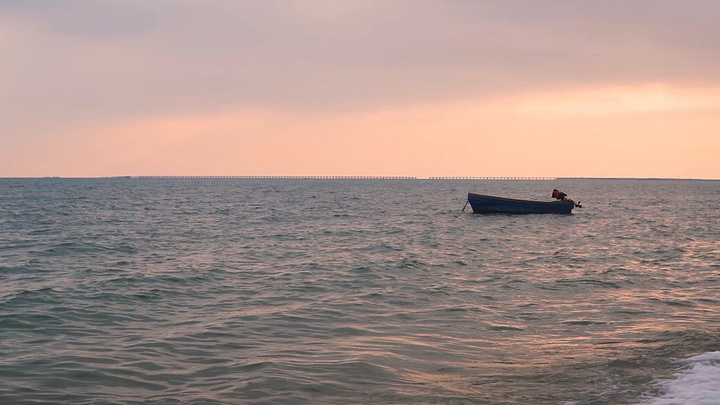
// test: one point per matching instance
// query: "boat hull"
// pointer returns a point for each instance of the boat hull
(485, 204)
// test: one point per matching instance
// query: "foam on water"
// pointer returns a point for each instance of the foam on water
(697, 384)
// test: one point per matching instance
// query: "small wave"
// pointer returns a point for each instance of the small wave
(30, 322)
(80, 248)
(37, 295)
(697, 384)
(347, 331)
(505, 328)
(679, 303)
(583, 322)
(588, 281)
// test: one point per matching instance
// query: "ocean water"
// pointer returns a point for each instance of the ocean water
(211, 291)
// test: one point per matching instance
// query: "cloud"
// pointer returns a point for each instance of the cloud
(320, 54)
(78, 63)
(101, 18)
(541, 134)
(618, 101)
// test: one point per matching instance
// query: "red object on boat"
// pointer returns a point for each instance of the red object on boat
(558, 194)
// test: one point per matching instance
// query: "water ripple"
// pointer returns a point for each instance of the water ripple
(123, 291)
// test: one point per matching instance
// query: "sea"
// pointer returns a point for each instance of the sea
(365, 291)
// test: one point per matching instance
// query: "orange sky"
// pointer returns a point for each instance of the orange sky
(500, 93)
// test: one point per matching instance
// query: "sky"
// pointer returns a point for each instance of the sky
(555, 88)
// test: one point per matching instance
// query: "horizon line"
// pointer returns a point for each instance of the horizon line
(356, 177)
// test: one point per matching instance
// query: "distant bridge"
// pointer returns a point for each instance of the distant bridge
(492, 178)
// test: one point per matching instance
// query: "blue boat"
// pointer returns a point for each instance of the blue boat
(485, 204)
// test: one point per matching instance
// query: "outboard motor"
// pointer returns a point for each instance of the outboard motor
(558, 195)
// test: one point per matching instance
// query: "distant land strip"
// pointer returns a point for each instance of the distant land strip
(367, 178)
(344, 177)
(281, 177)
